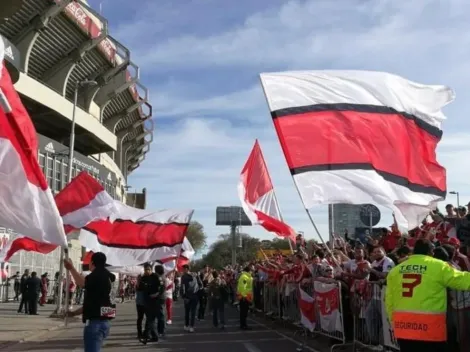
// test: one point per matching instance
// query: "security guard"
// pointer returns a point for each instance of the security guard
(416, 299)
(245, 295)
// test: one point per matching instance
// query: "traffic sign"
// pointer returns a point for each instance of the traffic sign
(369, 215)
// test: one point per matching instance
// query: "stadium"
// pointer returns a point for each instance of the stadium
(67, 67)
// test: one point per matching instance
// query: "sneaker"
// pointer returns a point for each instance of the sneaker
(186, 328)
(191, 329)
(169, 322)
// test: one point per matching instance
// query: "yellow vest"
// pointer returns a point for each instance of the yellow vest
(245, 285)
(416, 297)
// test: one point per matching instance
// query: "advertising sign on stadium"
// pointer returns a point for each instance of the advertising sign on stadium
(47, 145)
(80, 15)
(12, 58)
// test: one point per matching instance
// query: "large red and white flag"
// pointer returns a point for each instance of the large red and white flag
(82, 201)
(256, 193)
(26, 201)
(134, 236)
(361, 137)
(307, 310)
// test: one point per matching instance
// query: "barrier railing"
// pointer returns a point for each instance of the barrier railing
(354, 315)
(371, 326)
(9, 293)
(281, 302)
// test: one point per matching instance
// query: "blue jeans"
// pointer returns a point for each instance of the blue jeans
(218, 312)
(190, 305)
(94, 334)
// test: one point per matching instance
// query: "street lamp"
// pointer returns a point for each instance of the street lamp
(80, 84)
(65, 253)
(458, 197)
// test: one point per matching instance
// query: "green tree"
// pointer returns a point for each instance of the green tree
(279, 243)
(220, 252)
(196, 235)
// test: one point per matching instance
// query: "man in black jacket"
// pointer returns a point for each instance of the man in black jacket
(33, 288)
(23, 288)
(154, 299)
(97, 307)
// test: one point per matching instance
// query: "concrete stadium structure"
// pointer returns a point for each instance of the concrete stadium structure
(53, 47)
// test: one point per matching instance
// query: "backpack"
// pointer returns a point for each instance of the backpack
(193, 286)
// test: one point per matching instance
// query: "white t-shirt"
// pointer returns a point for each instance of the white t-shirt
(386, 264)
(169, 286)
(383, 265)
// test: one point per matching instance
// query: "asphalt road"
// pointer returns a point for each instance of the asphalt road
(123, 336)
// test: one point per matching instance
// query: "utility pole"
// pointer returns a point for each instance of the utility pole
(233, 233)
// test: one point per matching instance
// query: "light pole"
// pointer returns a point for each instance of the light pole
(458, 197)
(64, 254)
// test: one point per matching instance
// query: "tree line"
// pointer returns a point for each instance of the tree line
(219, 253)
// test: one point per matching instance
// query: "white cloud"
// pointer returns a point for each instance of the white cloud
(198, 165)
(171, 103)
(196, 160)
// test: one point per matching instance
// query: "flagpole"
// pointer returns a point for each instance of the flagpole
(298, 192)
(280, 215)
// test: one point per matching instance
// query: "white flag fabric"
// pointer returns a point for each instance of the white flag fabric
(26, 200)
(82, 201)
(177, 262)
(134, 270)
(361, 137)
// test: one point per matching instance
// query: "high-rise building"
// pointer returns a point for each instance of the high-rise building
(342, 217)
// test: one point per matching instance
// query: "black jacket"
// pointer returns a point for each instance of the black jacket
(153, 285)
(23, 285)
(33, 286)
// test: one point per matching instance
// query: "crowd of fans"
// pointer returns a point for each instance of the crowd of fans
(360, 267)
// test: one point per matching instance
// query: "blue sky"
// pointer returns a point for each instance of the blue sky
(201, 60)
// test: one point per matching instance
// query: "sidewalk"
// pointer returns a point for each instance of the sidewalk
(123, 337)
(16, 327)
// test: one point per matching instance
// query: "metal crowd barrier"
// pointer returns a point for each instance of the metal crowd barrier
(8, 294)
(354, 315)
(371, 327)
(281, 302)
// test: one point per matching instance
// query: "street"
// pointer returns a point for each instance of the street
(123, 336)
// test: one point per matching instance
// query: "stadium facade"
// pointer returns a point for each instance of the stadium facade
(63, 59)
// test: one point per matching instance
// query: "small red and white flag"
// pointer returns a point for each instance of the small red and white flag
(361, 137)
(256, 193)
(82, 201)
(134, 236)
(26, 201)
(176, 263)
(307, 310)
(327, 298)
